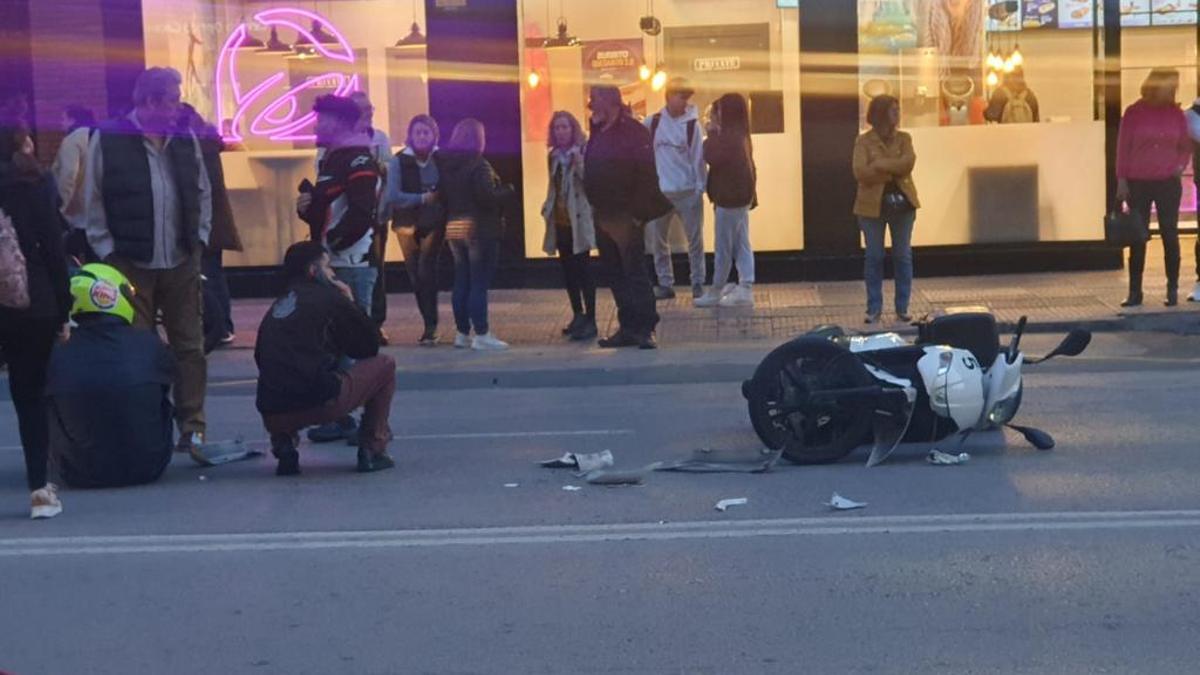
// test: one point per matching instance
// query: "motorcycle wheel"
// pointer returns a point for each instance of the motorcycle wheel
(790, 373)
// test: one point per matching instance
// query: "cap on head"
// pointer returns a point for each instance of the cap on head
(101, 289)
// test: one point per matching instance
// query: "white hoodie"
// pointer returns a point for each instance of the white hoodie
(681, 167)
(1193, 120)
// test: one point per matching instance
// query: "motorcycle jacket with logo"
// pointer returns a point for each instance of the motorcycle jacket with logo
(344, 203)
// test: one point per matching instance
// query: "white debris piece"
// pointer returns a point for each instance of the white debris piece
(572, 488)
(840, 503)
(512, 485)
(726, 503)
(939, 458)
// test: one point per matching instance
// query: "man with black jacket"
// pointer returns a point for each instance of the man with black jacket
(622, 186)
(300, 342)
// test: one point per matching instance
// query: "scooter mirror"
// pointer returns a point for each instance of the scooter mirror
(1074, 344)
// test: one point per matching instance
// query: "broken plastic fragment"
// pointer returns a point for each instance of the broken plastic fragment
(572, 488)
(939, 458)
(610, 477)
(840, 503)
(224, 452)
(726, 503)
(584, 462)
(512, 485)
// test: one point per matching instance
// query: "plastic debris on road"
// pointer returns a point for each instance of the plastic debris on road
(709, 460)
(840, 503)
(512, 485)
(583, 462)
(610, 477)
(939, 458)
(572, 488)
(724, 504)
(224, 452)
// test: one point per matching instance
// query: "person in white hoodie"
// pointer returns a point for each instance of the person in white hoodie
(1193, 120)
(678, 140)
(69, 167)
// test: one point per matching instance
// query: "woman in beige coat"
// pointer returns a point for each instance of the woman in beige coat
(570, 231)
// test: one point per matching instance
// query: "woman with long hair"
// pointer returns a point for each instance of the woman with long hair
(27, 335)
(732, 188)
(887, 200)
(474, 198)
(419, 220)
(1153, 150)
(570, 231)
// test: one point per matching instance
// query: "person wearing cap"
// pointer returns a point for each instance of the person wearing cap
(682, 175)
(108, 389)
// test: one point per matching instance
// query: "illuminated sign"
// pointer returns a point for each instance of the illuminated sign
(716, 63)
(280, 118)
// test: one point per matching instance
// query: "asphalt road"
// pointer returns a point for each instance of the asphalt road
(1080, 560)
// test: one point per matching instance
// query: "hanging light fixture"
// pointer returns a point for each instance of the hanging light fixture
(659, 81)
(1017, 58)
(993, 79)
(249, 41)
(274, 44)
(414, 38)
(563, 38)
(534, 79)
(644, 73)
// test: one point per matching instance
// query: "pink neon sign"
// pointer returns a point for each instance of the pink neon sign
(281, 118)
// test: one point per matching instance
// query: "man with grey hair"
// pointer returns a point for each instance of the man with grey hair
(149, 214)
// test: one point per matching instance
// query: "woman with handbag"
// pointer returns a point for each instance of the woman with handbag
(419, 220)
(474, 199)
(570, 231)
(1153, 150)
(887, 199)
(34, 303)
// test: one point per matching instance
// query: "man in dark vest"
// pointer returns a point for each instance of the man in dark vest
(149, 214)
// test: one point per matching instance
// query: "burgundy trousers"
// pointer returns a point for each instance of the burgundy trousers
(370, 383)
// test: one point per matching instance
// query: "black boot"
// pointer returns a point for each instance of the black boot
(283, 446)
(1135, 290)
(586, 330)
(574, 326)
(1172, 296)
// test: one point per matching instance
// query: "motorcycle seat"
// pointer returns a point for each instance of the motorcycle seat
(972, 329)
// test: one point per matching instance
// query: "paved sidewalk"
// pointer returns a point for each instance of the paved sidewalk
(1051, 301)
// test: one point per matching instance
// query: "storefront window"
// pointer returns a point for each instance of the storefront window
(255, 69)
(720, 46)
(1000, 100)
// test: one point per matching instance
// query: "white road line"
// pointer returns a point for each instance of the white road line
(579, 534)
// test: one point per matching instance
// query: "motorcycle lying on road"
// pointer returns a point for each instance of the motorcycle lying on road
(821, 395)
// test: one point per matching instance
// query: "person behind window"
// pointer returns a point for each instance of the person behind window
(732, 189)
(1193, 120)
(1013, 102)
(474, 199)
(570, 231)
(887, 199)
(108, 389)
(27, 335)
(381, 145)
(418, 217)
(1153, 150)
(303, 338)
(149, 211)
(70, 163)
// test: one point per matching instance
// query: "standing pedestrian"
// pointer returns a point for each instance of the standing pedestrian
(1193, 119)
(381, 147)
(149, 211)
(224, 235)
(623, 189)
(679, 159)
(474, 199)
(27, 335)
(70, 164)
(732, 188)
(570, 231)
(419, 218)
(341, 211)
(887, 199)
(1153, 150)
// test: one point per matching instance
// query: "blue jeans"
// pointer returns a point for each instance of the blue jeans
(361, 281)
(475, 262)
(902, 227)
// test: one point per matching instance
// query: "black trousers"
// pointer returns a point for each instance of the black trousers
(1165, 196)
(27, 344)
(577, 273)
(421, 253)
(622, 243)
(378, 260)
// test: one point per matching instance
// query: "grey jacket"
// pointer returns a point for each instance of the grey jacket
(583, 230)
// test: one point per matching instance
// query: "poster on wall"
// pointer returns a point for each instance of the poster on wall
(1040, 14)
(1004, 15)
(1075, 14)
(1173, 12)
(616, 62)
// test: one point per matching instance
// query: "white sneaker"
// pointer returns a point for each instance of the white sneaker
(44, 503)
(462, 341)
(488, 343)
(711, 298)
(1195, 296)
(740, 296)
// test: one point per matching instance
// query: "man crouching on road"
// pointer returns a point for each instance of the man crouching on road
(301, 339)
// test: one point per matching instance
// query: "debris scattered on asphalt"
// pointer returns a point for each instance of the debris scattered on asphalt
(584, 462)
(224, 452)
(939, 458)
(610, 477)
(709, 460)
(203, 477)
(512, 485)
(840, 503)
(572, 488)
(726, 503)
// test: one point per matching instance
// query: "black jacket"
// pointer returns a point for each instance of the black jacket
(426, 217)
(29, 202)
(732, 176)
(299, 343)
(111, 417)
(345, 198)
(619, 173)
(470, 189)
